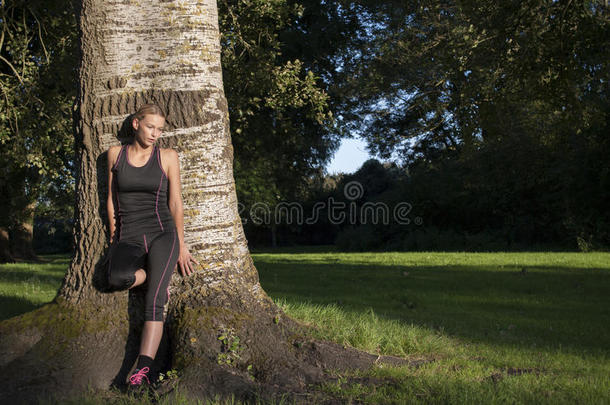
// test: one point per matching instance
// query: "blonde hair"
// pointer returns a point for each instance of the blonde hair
(148, 109)
(143, 111)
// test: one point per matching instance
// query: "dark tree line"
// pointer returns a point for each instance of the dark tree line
(496, 113)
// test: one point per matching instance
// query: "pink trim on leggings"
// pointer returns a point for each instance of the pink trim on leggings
(145, 245)
(161, 279)
(157, 203)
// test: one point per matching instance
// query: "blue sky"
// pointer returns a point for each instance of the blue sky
(349, 157)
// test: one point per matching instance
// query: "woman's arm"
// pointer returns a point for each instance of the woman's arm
(177, 210)
(111, 155)
(175, 193)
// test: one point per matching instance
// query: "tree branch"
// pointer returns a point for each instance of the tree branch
(12, 68)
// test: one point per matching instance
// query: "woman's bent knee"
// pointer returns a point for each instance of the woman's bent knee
(121, 281)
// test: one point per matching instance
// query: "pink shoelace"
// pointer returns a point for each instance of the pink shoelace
(136, 379)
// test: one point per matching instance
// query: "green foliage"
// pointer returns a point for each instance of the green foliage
(463, 204)
(501, 105)
(497, 110)
(279, 96)
(37, 54)
(231, 349)
(170, 375)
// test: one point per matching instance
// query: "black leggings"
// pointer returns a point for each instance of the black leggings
(157, 253)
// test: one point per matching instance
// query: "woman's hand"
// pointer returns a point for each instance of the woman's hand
(184, 261)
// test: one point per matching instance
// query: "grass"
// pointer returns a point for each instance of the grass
(27, 286)
(497, 327)
(503, 327)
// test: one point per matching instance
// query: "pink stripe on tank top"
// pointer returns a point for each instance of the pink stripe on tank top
(157, 203)
(159, 160)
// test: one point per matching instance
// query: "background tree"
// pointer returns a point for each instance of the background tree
(512, 94)
(280, 62)
(37, 54)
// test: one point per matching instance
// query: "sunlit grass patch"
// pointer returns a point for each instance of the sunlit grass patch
(26, 286)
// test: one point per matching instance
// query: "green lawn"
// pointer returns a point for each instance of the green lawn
(27, 286)
(495, 327)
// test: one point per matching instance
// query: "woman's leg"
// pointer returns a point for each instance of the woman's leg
(162, 258)
(125, 265)
(140, 278)
(163, 255)
(151, 337)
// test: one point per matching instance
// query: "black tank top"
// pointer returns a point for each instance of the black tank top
(142, 196)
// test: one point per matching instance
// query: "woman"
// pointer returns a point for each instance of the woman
(145, 206)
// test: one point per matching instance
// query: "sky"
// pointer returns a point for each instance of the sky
(349, 157)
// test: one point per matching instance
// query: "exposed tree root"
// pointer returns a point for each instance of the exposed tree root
(61, 351)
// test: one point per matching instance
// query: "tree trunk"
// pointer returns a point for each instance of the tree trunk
(23, 234)
(167, 53)
(273, 235)
(5, 251)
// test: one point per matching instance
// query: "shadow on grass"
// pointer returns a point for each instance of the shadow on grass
(45, 274)
(13, 306)
(50, 277)
(555, 306)
(539, 248)
(534, 306)
(297, 249)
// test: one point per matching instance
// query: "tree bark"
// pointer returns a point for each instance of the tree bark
(167, 53)
(23, 234)
(5, 251)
